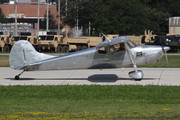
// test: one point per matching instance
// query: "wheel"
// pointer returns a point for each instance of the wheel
(78, 48)
(17, 77)
(84, 47)
(59, 48)
(66, 48)
(6, 48)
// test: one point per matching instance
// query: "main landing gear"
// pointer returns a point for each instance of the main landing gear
(17, 76)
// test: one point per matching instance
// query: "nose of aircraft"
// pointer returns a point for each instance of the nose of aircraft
(166, 48)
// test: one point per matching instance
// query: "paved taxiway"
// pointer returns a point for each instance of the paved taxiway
(155, 76)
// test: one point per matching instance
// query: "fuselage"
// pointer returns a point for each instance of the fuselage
(94, 58)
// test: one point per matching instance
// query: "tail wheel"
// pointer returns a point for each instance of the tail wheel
(66, 48)
(84, 47)
(78, 48)
(60, 49)
(6, 48)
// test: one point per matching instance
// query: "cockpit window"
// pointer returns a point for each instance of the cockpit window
(132, 44)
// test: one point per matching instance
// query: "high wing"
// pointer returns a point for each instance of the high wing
(113, 41)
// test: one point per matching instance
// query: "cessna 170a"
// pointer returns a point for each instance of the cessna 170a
(113, 53)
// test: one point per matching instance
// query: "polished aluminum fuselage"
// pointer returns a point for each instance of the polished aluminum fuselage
(92, 59)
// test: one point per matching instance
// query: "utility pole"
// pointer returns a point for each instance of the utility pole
(66, 16)
(58, 17)
(38, 20)
(15, 17)
(47, 17)
(89, 28)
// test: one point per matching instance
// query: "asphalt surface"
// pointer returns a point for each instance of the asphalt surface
(153, 76)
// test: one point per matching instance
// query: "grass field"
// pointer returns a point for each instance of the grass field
(174, 62)
(4, 60)
(90, 102)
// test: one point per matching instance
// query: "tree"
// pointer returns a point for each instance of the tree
(52, 21)
(157, 20)
(3, 19)
(120, 17)
(80, 10)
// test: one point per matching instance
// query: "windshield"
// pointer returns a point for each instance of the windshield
(23, 38)
(15, 38)
(132, 44)
(50, 37)
(42, 38)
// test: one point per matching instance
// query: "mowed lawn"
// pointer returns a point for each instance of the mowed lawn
(90, 102)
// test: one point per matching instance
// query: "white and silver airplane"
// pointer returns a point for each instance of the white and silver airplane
(113, 53)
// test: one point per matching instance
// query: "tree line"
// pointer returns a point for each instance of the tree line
(118, 16)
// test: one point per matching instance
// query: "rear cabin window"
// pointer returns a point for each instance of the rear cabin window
(102, 50)
(50, 37)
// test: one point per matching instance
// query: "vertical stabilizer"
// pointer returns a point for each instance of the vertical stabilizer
(23, 53)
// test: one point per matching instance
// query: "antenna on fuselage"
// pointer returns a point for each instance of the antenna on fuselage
(105, 36)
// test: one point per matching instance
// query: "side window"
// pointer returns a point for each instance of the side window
(56, 39)
(28, 39)
(117, 47)
(2, 39)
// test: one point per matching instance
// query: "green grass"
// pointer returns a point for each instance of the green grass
(4, 60)
(173, 62)
(90, 101)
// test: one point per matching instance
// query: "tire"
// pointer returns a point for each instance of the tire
(6, 48)
(84, 47)
(66, 49)
(60, 49)
(17, 77)
(78, 48)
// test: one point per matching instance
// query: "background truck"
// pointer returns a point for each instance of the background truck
(163, 39)
(59, 43)
(5, 43)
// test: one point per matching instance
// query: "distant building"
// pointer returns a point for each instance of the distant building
(27, 13)
(174, 25)
(27, 1)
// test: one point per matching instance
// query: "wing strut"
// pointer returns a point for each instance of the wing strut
(136, 74)
(130, 57)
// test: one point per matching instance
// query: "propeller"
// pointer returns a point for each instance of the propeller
(165, 49)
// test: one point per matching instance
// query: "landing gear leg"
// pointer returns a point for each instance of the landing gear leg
(17, 76)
